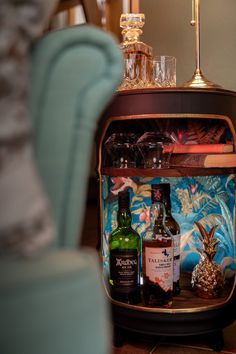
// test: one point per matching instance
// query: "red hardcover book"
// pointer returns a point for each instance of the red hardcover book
(203, 160)
(198, 148)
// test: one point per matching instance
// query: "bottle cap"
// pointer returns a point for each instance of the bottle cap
(161, 193)
(123, 200)
(132, 20)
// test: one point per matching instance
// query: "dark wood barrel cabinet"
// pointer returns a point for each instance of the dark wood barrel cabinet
(179, 110)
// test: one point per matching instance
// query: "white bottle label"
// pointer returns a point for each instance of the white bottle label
(176, 265)
(159, 266)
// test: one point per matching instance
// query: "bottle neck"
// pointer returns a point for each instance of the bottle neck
(163, 196)
(157, 215)
(131, 35)
(124, 214)
(131, 24)
(124, 218)
(159, 218)
(167, 208)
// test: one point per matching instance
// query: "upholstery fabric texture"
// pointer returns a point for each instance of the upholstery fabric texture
(67, 88)
(55, 303)
(25, 223)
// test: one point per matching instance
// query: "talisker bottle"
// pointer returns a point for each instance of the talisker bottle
(162, 194)
(157, 257)
(124, 247)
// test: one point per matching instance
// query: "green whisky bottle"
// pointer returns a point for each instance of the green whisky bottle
(124, 249)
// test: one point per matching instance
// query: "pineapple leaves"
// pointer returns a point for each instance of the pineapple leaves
(212, 232)
(230, 178)
(206, 236)
(202, 230)
(207, 240)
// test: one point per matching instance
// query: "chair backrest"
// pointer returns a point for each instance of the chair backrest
(74, 74)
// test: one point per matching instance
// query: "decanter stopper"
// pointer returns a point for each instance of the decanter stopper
(131, 24)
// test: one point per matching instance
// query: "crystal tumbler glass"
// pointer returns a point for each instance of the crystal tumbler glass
(164, 71)
(152, 148)
(137, 72)
(120, 150)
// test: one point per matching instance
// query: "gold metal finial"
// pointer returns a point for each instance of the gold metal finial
(198, 79)
(193, 21)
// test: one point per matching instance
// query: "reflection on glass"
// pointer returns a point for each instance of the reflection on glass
(151, 146)
(164, 71)
(137, 54)
(137, 72)
(120, 150)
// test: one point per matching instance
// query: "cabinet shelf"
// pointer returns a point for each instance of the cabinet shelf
(170, 172)
(198, 193)
(186, 302)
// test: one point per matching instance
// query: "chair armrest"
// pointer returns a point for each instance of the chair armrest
(53, 304)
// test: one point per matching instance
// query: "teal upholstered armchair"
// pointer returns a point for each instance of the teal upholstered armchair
(53, 303)
(73, 76)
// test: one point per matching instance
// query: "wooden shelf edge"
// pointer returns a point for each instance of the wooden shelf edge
(186, 302)
(175, 89)
(170, 172)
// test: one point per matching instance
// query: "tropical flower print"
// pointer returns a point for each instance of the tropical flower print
(145, 216)
(207, 199)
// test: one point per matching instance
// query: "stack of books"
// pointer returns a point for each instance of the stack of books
(201, 155)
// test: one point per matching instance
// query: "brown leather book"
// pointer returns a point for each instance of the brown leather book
(203, 160)
(198, 148)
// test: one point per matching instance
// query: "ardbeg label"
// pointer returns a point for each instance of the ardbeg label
(124, 268)
(159, 266)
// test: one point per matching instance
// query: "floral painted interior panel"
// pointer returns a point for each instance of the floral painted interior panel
(207, 199)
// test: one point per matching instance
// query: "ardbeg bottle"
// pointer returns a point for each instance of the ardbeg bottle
(124, 247)
(157, 260)
(162, 194)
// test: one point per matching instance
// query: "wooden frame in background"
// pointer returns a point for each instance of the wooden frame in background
(90, 8)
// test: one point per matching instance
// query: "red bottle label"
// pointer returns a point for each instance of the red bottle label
(159, 266)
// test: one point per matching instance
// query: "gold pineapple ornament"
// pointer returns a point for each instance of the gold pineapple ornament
(207, 277)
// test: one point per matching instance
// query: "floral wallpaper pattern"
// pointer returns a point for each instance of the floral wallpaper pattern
(207, 199)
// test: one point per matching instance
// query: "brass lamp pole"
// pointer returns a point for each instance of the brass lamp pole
(198, 79)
